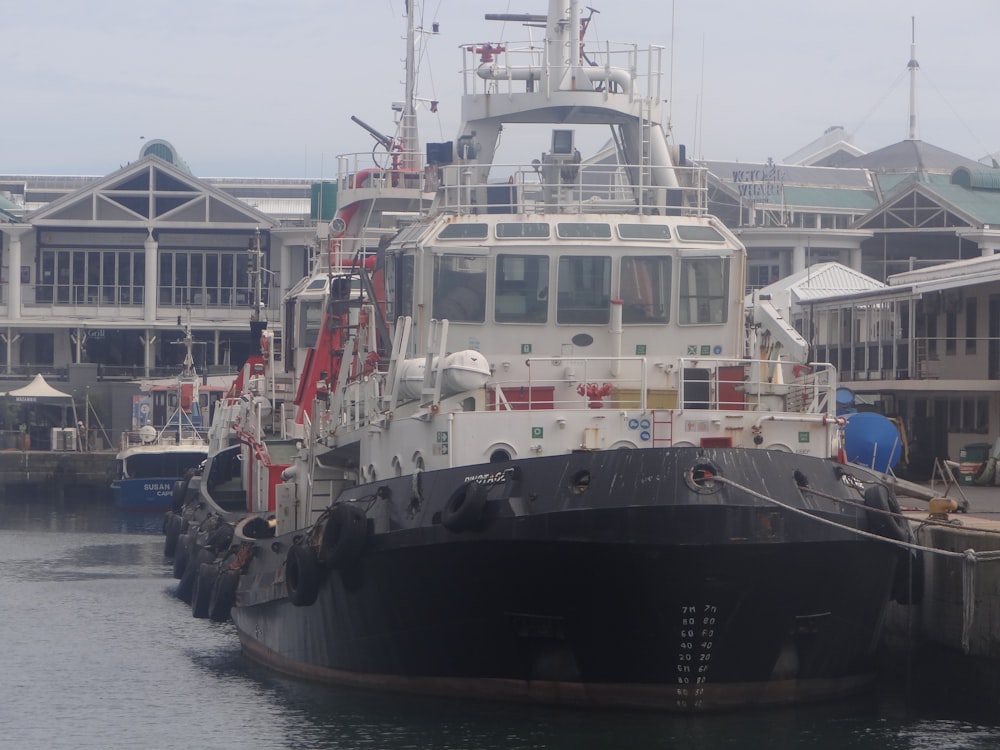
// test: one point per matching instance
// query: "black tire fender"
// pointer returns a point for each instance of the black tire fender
(223, 594)
(171, 532)
(878, 498)
(181, 552)
(221, 537)
(201, 597)
(344, 535)
(177, 497)
(302, 577)
(185, 587)
(465, 508)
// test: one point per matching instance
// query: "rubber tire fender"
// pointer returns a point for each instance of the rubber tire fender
(221, 538)
(891, 527)
(177, 496)
(171, 532)
(302, 577)
(223, 594)
(344, 535)
(465, 508)
(201, 597)
(185, 587)
(181, 552)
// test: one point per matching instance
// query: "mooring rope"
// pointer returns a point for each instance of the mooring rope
(970, 557)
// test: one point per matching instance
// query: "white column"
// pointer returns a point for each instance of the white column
(147, 339)
(854, 258)
(284, 266)
(152, 284)
(14, 276)
(798, 258)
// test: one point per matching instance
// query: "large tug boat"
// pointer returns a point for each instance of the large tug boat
(529, 460)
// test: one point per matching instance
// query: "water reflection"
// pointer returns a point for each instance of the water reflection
(75, 516)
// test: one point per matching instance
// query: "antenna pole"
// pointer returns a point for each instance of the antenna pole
(913, 67)
(408, 120)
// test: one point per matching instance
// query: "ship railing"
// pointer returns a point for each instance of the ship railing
(577, 188)
(757, 385)
(701, 383)
(609, 68)
(402, 169)
(187, 436)
(569, 383)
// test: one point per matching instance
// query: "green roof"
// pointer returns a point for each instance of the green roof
(828, 197)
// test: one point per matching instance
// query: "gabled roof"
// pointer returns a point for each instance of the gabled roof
(823, 280)
(915, 284)
(961, 198)
(832, 149)
(153, 193)
(912, 156)
(957, 271)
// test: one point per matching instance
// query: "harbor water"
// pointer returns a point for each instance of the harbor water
(99, 654)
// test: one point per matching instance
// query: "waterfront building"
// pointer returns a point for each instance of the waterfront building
(111, 271)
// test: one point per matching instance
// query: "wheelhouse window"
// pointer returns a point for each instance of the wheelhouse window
(522, 289)
(310, 321)
(644, 231)
(522, 229)
(703, 291)
(460, 288)
(399, 278)
(698, 233)
(464, 232)
(586, 230)
(645, 289)
(584, 289)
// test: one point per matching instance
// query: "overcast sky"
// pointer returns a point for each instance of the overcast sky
(267, 88)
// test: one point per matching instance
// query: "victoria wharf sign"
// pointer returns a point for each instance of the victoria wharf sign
(759, 182)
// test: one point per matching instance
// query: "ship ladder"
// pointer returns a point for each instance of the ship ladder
(645, 154)
(663, 428)
(276, 344)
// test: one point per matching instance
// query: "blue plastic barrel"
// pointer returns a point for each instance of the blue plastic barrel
(872, 440)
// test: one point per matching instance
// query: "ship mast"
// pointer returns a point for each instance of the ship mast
(408, 141)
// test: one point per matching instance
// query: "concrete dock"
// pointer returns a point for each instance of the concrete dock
(56, 475)
(947, 644)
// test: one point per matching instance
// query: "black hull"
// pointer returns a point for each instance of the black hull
(665, 594)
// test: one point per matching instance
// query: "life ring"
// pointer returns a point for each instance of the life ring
(344, 535)
(223, 594)
(201, 596)
(301, 575)
(465, 508)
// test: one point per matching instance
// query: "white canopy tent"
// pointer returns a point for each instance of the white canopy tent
(40, 408)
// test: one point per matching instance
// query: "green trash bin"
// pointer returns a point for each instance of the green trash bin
(970, 461)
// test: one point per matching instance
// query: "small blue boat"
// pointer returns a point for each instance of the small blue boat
(151, 459)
